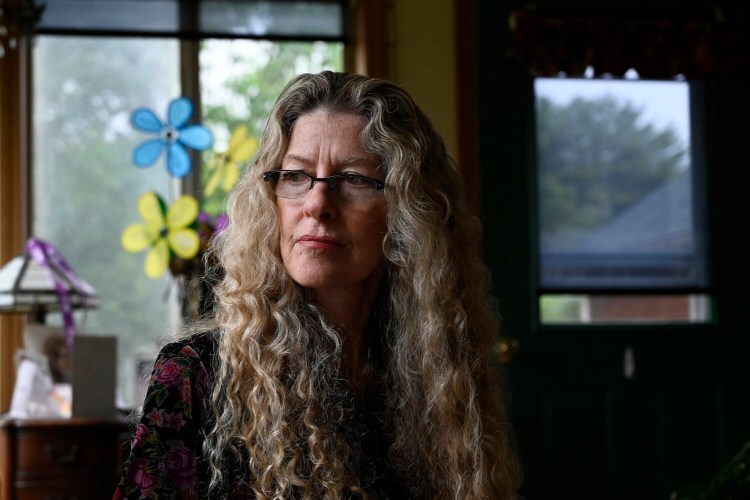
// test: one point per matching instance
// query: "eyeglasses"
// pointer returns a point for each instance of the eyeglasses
(346, 188)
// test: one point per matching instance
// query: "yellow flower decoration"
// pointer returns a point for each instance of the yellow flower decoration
(166, 230)
(225, 166)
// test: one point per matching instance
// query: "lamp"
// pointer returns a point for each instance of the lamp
(41, 281)
(37, 282)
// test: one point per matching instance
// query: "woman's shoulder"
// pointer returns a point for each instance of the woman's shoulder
(187, 358)
(199, 346)
(165, 453)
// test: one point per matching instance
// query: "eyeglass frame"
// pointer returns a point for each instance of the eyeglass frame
(267, 176)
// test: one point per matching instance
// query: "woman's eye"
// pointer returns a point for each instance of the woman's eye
(293, 177)
(356, 180)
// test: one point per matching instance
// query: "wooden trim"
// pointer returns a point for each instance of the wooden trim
(367, 53)
(466, 99)
(13, 196)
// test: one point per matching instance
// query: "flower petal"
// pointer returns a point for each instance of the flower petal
(196, 137)
(217, 160)
(184, 242)
(152, 209)
(137, 237)
(231, 174)
(221, 223)
(178, 160)
(146, 120)
(180, 111)
(238, 137)
(213, 181)
(148, 152)
(245, 150)
(157, 259)
(182, 212)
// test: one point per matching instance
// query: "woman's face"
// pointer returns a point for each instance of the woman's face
(327, 244)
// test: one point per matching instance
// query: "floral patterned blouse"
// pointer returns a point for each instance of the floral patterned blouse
(163, 461)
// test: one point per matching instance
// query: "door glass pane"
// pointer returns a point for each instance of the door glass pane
(618, 189)
(609, 309)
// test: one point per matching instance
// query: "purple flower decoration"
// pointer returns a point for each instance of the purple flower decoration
(174, 136)
(222, 222)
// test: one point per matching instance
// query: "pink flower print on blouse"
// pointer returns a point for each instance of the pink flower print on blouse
(156, 417)
(170, 373)
(140, 433)
(186, 391)
(163, 460)
(179, 465)
(139, 476)
(174, 420)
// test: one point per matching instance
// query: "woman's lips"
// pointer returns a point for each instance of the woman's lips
(320, 242)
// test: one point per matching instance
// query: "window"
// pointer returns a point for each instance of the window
(84, 186)
(620, 204)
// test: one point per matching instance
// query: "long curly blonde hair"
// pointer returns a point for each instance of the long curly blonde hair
(279, 406)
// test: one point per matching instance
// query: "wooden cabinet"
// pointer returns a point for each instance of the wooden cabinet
(67, 459)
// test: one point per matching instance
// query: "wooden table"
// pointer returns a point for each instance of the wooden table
(61, 459)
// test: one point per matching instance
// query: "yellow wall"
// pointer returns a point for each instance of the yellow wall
(422, 60)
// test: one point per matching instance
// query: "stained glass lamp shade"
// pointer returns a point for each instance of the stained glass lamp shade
(26, 286)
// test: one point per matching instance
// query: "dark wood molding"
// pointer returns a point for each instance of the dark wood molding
(13, 195)
(367, 53)
(466, 99)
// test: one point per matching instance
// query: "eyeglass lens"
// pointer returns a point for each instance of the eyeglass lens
(347, 188)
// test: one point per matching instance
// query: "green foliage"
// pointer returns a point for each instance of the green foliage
(560, 308)
(260, 71)
(596, 157)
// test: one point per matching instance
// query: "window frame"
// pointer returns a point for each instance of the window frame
(702, 221)
(365, 51)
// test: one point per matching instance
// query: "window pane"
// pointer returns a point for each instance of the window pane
(319, 19)
(142, 16)
(620, 309)
(273, 18)
(617, 186)
(85, 188)
(240, 81)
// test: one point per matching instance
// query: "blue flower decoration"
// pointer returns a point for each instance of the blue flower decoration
(175, 136)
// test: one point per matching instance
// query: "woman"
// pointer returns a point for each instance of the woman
(349, 353)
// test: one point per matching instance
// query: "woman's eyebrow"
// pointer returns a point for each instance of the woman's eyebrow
(299, 159)
(354, 160)
(344, 162)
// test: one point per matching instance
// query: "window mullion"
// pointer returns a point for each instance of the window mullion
(190, 86)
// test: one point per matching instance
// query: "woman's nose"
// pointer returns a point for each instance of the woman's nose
(319, 202)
